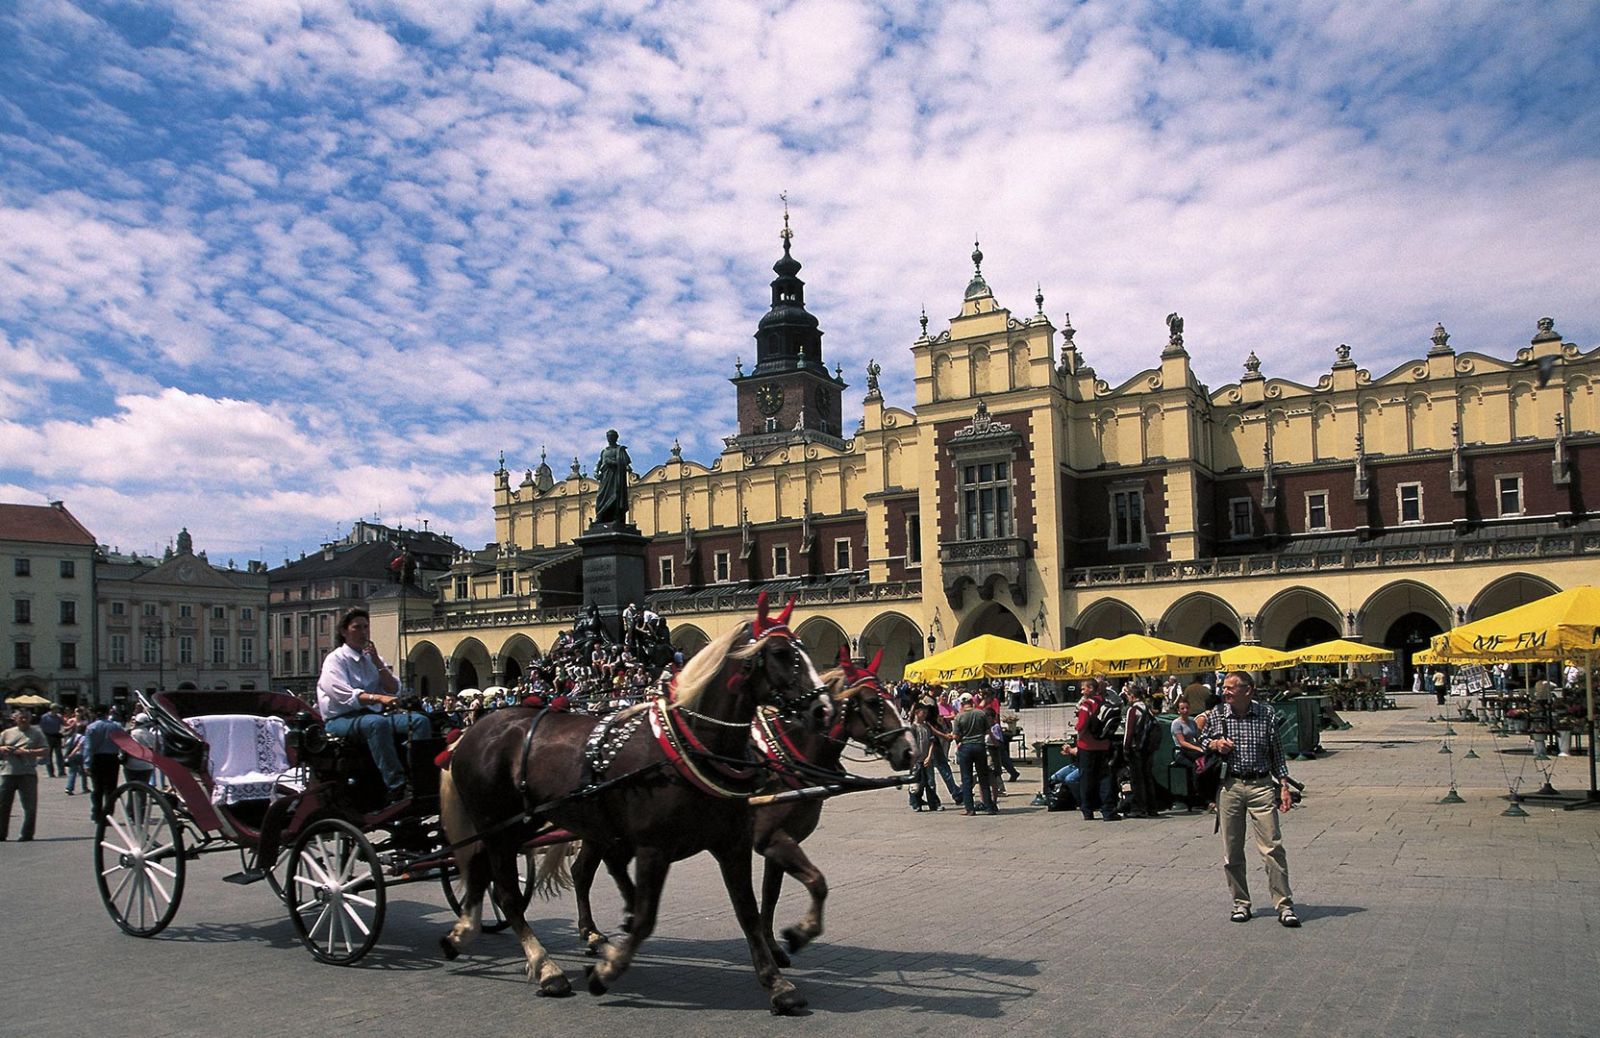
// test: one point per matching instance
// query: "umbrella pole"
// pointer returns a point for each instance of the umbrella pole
(1593, 799)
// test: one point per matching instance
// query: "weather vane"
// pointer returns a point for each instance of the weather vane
(787, 234)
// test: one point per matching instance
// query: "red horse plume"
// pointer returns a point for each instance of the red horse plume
(764, 624)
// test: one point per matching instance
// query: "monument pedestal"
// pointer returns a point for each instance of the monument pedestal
(613, 571)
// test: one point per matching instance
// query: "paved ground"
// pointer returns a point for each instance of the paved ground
(1420, 919)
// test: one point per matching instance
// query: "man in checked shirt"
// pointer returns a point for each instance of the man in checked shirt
(1245, 734)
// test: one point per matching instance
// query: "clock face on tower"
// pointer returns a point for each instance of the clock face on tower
(769, 399)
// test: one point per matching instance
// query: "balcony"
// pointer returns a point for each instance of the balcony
(986, 564)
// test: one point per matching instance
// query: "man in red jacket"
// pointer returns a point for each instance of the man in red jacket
(1094, 755)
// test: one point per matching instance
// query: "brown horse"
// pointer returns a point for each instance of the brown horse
(667, 797)
(801, 754)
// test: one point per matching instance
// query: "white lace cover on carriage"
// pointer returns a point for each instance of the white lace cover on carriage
(248, 759)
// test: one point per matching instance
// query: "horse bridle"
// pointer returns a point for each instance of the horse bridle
(878, 735)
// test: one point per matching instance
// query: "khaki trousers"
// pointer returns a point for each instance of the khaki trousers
(1257, 798)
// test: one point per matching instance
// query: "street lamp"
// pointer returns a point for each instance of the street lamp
(931, 642)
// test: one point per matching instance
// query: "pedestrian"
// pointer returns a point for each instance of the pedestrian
(942, 739)
(50, 723)
(144, 732)
(22, 746)
(971, 728)
(1244, 734)
(1138, 743)
(1094, 754)
(100, 761)
(1440, 686)
(925, 793)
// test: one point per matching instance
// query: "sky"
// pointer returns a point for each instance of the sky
(270, 267)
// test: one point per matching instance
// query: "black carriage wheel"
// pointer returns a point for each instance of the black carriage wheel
(455, 885)
(249, 861)
(335, 892)
(138, 860)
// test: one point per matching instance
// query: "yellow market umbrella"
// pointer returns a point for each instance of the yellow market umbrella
(1134, 654)
(28, 700)
(986, 656)
(1564, 624)
(1341, 651)
(1255, 657)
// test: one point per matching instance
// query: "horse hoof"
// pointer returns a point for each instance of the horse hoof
(596, 985)
(593, 943)
(555, 987)
(788, 1004)
(451, 952)
(796, 938)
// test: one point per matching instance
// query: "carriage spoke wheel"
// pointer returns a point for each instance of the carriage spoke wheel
(455, 888)
(138, 860)
(334, 891)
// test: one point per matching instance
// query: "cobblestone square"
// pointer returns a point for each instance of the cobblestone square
(1420, 919)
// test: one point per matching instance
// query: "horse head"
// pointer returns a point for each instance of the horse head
(867, 713)
(776, 665)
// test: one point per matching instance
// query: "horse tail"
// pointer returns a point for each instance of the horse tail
(553, 874)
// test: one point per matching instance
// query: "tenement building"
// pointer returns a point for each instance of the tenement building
(1019, 494)
(47, 587)
(179, 622)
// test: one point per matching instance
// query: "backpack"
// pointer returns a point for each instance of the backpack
(1105, 722)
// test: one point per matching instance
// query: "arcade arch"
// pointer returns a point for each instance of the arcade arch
(688, 639)
(1508, 592)
(1108, 618)
(899, 638)
(470, 665)
(425, 669)
(823, 639)
(516, 656)
(1403, 616)
(990, 618)
(1200, 619)
(1297, 617)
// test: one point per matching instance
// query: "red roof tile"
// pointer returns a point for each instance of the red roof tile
(44, 524)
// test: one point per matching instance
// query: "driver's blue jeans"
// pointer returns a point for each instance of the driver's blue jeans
(379, 731)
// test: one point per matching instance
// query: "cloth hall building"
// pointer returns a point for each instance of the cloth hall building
(1021, 495)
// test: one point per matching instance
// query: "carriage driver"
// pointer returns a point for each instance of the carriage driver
(355, 687)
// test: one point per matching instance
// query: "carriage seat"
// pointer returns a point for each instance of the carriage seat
(248, 758)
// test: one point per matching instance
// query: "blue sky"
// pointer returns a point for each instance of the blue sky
(271, 266)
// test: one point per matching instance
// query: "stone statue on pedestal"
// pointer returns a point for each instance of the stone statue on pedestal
(611, 472)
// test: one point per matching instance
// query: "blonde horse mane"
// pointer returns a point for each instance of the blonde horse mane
(707, 663)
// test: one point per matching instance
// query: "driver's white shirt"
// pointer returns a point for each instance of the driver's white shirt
(346, 674)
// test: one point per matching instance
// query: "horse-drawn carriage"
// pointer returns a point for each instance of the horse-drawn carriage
(255, 773)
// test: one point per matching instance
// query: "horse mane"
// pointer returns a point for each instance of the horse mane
(707, 663)
(835, 681)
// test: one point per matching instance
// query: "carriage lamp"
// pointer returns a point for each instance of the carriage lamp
(930, 643)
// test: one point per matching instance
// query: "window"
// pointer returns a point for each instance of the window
(69, 569)
(1410, 496)
(720, 567)
(69, 612)
(119, 648)
(1317, 510)
(508, 583)
(780, 560)
(247, 614)
(69, 656)
(461, 589)
(986, 500)
(772, 425)
(186, 649)
(247, 651)
(288, 661)
(841, 555)
(305, 660)
(152, 649)
(22, 654)
(324, 623)
(1240, 521)
(186, 612)
(24, 568)
(149, 609)
(1127, 518)
(118, 609)
(913, 539)
(665, 563)
(288, 626)
(219, 612)
(22, 611)
(1508, 491)
(305, 624)
(219, 651)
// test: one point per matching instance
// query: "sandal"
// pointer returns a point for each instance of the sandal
(1287, 917)
(1241, 914)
